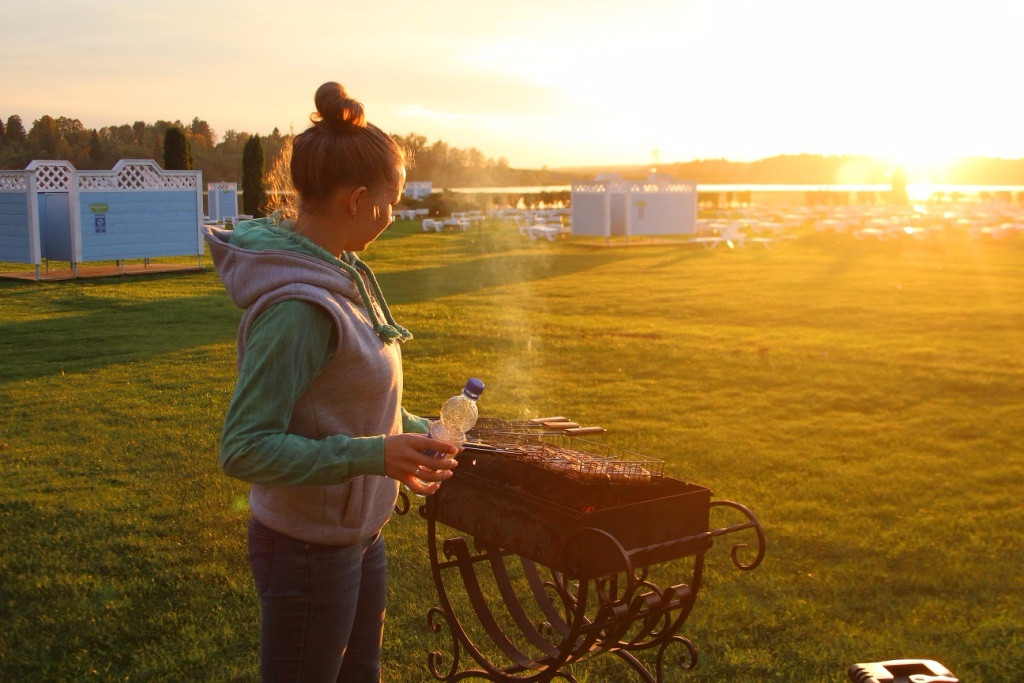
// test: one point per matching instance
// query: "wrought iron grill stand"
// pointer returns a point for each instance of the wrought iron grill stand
(622, 613)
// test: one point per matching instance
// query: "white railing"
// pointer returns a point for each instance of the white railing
(14, 181)
(589, 188)
(52, 175)
(137, 174)
(674, 188)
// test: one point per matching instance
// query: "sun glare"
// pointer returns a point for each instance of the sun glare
(920, 192)
(923, 165)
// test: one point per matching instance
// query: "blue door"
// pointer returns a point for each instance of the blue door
(55, 226)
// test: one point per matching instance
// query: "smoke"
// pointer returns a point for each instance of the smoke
(516, 370)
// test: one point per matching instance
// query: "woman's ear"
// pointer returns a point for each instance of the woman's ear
(353, 200)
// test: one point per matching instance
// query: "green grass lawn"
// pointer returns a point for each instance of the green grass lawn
(866, 400)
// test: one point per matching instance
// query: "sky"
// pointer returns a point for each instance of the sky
(551, 83)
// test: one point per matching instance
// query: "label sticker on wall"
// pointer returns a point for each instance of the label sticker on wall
(99, 208)
(100, 220)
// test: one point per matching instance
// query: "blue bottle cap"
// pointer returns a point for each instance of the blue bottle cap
(474, 388)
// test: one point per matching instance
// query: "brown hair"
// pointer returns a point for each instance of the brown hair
(341, 149)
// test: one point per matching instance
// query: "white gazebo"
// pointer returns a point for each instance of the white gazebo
(609, 206)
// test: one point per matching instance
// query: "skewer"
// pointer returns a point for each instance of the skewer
(560, 424)
(582, 431)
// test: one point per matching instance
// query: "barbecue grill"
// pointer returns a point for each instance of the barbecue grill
(561, 538)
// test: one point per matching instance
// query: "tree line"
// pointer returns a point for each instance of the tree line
(446, 166)
(814, 169)
(220, 157)
(66, 138)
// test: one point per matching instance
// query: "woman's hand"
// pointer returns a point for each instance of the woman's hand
(406, 461)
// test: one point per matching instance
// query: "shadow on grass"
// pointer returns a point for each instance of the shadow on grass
(91, 332)
(112, 331)
(484, 272)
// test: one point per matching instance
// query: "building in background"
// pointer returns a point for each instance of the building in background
(612, 207)
(418, 189)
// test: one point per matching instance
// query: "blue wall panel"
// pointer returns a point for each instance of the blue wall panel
(55, 225)
(15, 246)
(225, 204)
(138, 224)
(662, 213)
(617, 227)
(590, 213)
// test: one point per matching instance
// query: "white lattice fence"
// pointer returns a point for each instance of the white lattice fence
(13, 180)
(136, 210)
(137, 174)
(589, 188)
(52, 176)
(682, 187)
(674, 188)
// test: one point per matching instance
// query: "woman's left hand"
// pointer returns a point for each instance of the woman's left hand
(406, 461)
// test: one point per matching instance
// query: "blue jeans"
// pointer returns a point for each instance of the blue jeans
(321, 607)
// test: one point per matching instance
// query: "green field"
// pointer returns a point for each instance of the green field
(866, 400)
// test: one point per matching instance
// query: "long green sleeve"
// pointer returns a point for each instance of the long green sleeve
(412, 423)
(288, 347)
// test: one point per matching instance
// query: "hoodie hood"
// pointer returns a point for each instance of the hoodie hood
(258, 257)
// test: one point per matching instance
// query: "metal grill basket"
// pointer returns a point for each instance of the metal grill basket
(583, 460)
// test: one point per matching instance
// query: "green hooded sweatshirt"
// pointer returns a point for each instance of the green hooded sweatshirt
(298, 336)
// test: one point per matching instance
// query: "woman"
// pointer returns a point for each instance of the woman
(316, 422)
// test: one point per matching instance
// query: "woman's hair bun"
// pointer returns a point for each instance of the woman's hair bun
(336, 110)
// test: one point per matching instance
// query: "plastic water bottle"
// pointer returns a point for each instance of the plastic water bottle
(458, 414)
(460, 411)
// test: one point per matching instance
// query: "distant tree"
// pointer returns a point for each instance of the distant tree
(96, 153)
(157, 134)
(70, 130)
(202, 131)
(254, 194)
(273, 147)
(44, 139)
(233, 141)
(138, 134)
(177, 150)
(122, 135)
(15, 130)
(3, 134)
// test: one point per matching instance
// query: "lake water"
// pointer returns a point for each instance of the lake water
(755, 187)
(792, 194)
